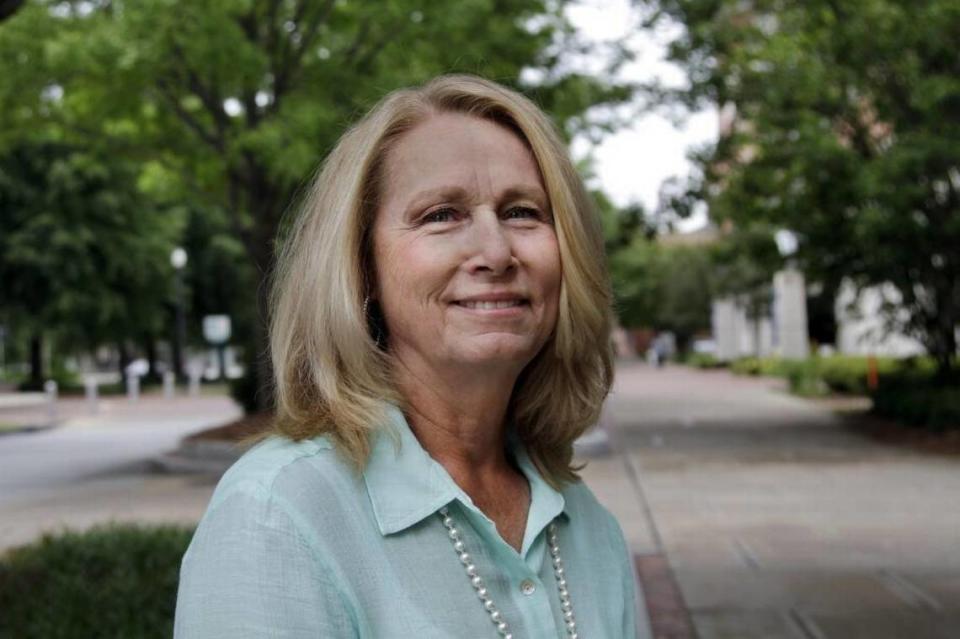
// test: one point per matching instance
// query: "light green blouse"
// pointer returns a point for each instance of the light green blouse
(295, 544)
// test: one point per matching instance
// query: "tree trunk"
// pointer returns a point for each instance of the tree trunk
(36, 362)
(124, 359)
(945, 353)
(150, 347)
(943, 344)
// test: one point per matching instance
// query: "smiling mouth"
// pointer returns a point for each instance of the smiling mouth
(490, 306)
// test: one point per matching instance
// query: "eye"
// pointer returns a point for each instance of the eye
(522, 212)
(445, 214)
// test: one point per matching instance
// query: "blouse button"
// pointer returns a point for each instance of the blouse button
(527, 587)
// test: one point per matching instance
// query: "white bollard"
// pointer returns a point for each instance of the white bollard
(50, 388)
(90, 388)
(169, 384)
(194, 373)
(133, 387)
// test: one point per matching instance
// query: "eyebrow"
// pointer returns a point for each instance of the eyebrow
(458, 194)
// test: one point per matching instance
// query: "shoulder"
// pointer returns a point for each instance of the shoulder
(590, 517)
(581, 503)
(279, 469)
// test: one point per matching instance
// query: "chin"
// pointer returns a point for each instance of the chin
(512, 353)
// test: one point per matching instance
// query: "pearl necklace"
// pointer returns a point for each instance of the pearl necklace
(477, 582)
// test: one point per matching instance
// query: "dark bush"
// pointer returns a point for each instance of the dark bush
(111, 581)
(926, 404)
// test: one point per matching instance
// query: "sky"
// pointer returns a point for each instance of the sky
(632, 163)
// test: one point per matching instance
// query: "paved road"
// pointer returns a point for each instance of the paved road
(94, 468)
(781, 522)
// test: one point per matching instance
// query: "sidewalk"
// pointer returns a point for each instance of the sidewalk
(778, 521)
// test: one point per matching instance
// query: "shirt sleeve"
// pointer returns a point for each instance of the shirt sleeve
(249, 572)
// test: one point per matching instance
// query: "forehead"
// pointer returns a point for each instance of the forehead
(451, 149)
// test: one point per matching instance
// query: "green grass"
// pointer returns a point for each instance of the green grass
(111, 581)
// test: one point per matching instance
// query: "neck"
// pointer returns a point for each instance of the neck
(459, 417)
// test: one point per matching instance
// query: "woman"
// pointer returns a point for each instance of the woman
(440, 339)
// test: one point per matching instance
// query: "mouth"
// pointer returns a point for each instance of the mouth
(491, 305)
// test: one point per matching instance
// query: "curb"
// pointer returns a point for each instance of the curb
(27, 429)
(669, 615)
(206, 457)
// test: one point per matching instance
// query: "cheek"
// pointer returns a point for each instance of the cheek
(548, 267)
(411, 275)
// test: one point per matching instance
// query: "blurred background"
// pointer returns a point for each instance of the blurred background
(779, 184)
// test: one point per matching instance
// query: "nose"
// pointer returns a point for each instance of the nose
(493, 252)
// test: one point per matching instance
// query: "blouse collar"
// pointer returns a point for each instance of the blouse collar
(407, 485)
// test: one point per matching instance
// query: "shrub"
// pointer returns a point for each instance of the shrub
(926, 404)
(768, 366)
(703, 360)
(111, 581)
(746, 366)
(803, 376)
(847, 374)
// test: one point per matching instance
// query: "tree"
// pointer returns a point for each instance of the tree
(667, 288)
(239, 98)
(83, 256)
(846, 130)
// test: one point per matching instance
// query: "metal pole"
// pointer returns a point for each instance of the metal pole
(179, 340)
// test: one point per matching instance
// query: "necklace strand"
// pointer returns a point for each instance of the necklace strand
(477, 582)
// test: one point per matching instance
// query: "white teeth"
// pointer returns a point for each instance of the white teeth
(488, 306)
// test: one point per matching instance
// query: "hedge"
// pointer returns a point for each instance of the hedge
(111, 581)
(929, 405)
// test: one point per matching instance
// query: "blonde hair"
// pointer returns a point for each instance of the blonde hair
(332, 376)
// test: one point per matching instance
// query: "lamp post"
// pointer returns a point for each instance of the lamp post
(178, 260)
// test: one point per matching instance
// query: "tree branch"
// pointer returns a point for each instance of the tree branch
(212, 139)
(207, 95)
(9, 7)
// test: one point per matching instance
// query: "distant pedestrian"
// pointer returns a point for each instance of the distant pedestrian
(440, 340)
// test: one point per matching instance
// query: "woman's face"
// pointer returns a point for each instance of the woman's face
(466, 256)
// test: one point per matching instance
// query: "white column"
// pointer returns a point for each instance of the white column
(724, 321)
(790, 313)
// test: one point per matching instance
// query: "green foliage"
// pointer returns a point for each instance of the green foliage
(846, 132)
(841, 374)
(227, 107)
(803, 377)
(764, 366)
(666, 288)
(111, 581)
(848, 374)
(742, 266)
(81, 251)
(703, 360)
(935, 406)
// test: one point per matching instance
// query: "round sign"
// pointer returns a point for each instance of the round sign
(216, 328)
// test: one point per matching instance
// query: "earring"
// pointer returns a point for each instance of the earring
(366, 303)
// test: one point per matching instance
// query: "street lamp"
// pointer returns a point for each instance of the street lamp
(178, 260)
